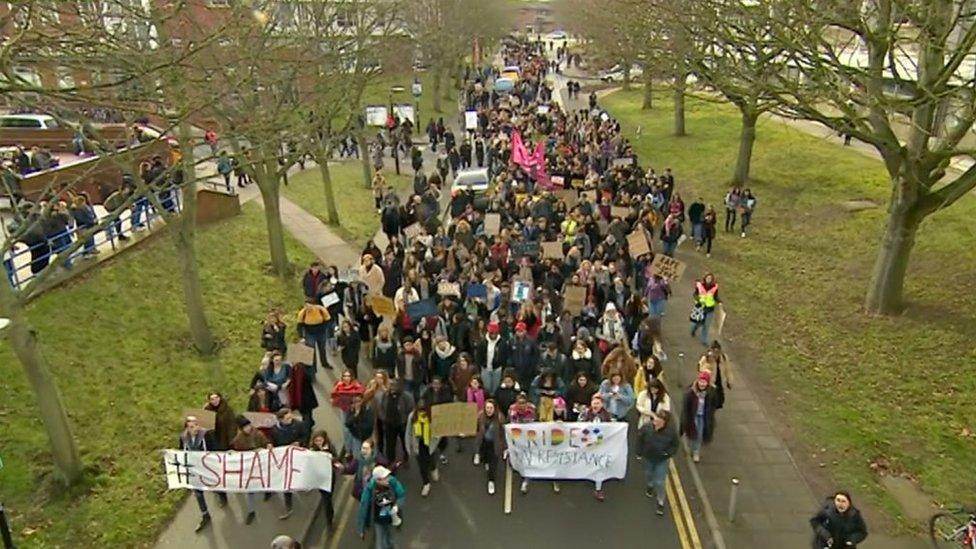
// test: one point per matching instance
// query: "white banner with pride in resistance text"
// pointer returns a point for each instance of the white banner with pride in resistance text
(590, 451)
(282, 469)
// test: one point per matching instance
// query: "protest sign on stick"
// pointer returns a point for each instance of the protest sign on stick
(552, 250)
(299, 353)
(574, 298)
(493, 223)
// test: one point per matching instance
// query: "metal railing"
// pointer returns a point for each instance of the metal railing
(23, 262)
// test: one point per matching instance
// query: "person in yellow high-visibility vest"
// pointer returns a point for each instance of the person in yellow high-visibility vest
(706, 299)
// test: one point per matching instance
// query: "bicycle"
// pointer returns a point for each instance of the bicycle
(954, 528)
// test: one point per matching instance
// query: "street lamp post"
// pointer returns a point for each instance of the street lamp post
(417, 88)
(394, 137)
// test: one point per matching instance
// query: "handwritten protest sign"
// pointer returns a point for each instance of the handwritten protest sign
(574, 297)
(637, 244)
(590, 451)
(261, 420)
(330, 299)
(282, 469)
(531, 249)
(453, 419)
(205, 418)
(667, 268)
(552, 250)
(449, 288)
(493, 223)
(624, 162)
(382, 305)
(299, 353)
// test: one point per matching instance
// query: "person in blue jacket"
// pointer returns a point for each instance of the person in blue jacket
(381, 504)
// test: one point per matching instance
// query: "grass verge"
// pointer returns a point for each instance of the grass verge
(118, 345)
(358, 219)
(881, 395)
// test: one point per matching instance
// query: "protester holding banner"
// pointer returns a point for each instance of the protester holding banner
(490, 441)
(320, 443)
(248, 438)
(657, 443)
(289, 431)
(194, 439)
(698, 414)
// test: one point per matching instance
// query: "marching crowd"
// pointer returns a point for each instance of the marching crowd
(481, 315)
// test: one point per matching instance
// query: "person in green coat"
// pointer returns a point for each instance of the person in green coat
(380, 505)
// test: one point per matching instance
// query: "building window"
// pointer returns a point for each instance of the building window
(66, 80)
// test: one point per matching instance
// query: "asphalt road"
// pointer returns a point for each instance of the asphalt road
(459, 512)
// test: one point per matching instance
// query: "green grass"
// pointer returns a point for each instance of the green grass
(118, 345)
(895, 391)
(358, 220)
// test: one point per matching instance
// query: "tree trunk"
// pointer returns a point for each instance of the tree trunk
(268, 184)
(438, 83)
(23, 340)
(679, 107)
(888, 277)
(626, 82)
(184, 237)
(648, 95)
(364, 158)
(330, 202)
(747, 138)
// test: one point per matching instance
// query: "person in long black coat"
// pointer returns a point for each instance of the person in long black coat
(698, 414)
(838, 524)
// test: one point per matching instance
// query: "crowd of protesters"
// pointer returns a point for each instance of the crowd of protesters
(518, 356)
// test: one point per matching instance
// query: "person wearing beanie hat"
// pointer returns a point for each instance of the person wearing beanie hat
(248, 438)
(698, 413)
(380, 504)
(523, 355)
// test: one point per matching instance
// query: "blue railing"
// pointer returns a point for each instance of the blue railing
(23, 263)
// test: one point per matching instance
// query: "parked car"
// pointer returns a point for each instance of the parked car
(616, 73)
(31, 121)
(557, 35)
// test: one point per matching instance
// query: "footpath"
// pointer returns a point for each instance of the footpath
(227, 529)
(774, 502)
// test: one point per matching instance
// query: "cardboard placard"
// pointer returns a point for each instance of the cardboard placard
(299, 353)
(637, 244)
(449, 288)
(349, 275)
(624, 162)
(619, 211)
(574, 298)
(262, 420)
(493, 224)
(667, 268)
(330, 299)
(453, 419)
(552, 250)
(422, 309)
(413, 230)
(720, 316)
(382, 305)
(205, 418)
(569, 196)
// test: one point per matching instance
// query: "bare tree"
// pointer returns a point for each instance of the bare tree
(897, 75)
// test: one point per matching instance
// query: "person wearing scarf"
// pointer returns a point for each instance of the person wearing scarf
(420, 443)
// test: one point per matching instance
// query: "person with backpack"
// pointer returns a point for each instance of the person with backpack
(838, 524)
(380, 506)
